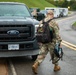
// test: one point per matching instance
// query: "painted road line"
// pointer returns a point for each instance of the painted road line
(69, 43)
(72, 46)
(69, 46)
(12, 68)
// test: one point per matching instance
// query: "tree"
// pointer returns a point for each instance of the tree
(65, 3)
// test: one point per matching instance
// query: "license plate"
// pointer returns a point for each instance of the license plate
(13, 46)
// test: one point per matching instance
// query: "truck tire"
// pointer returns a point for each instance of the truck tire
(34, 57)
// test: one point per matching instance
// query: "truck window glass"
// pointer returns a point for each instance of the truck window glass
(14, 10)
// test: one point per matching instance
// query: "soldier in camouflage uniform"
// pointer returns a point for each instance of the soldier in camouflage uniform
(34, 13)
(44, 48)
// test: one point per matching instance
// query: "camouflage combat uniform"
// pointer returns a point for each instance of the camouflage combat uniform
(49, 47)
(34, 13)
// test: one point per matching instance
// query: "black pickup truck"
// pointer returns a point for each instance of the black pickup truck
(17, 30)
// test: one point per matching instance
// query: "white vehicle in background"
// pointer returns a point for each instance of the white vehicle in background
(58, 12)
(63, 12)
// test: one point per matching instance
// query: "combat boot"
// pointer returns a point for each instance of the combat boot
(35, 67)
(56, 68)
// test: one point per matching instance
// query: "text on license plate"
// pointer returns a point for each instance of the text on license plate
(13, 46)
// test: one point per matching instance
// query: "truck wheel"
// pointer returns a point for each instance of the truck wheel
(34, 57)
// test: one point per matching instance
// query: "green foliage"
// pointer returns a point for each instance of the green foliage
(64, 3)
(74, 24)
(33, 3)
(72, 4)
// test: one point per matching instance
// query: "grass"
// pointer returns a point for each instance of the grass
(32, 3)
(74, 24)
(69, 12)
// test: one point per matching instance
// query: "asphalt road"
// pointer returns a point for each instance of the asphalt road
(67, 33)
(22, 65)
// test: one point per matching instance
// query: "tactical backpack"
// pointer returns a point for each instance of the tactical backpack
(44, 34)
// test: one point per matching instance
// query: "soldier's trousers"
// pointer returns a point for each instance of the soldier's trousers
(44, 49)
